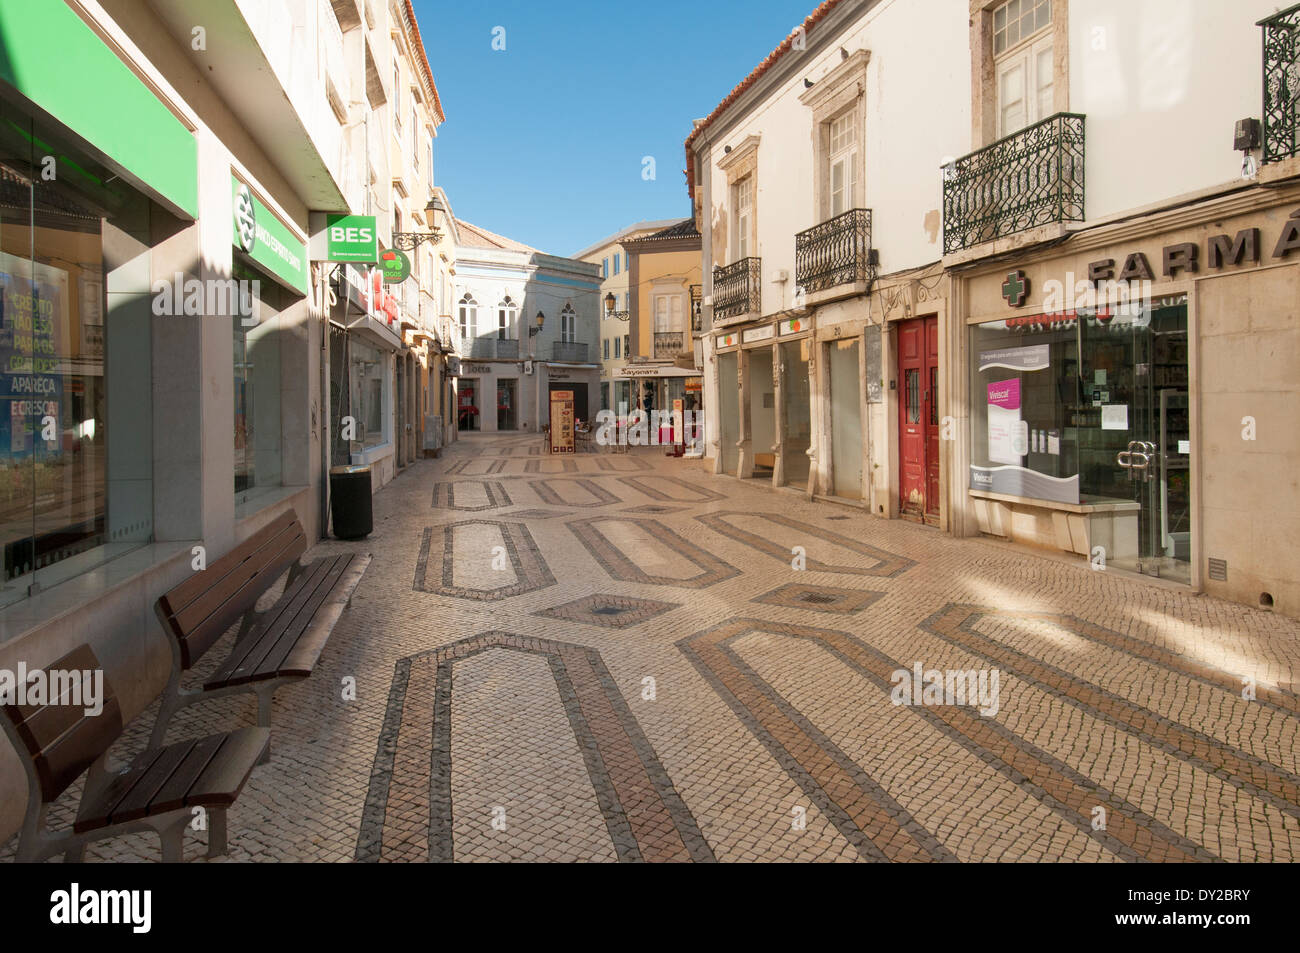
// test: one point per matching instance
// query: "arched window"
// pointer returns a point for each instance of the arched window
(468, 317)
(568, 325)
(507, 315)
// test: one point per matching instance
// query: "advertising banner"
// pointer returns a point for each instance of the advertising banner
(561, 421)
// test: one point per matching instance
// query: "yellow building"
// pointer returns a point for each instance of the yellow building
(664, 280)
(615, 339)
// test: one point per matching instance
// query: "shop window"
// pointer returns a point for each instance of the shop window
(369, 370)
(257, 388)
(1057, 401)
(76, 410)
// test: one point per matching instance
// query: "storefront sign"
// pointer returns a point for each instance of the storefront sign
(758, 334)
(792, 326)
(266, 240)
(478, 369)
(453, 365)
(350, 238)
(1034, 358)
(561, 421)
(394, 266)
(694, 384)
(727, 340)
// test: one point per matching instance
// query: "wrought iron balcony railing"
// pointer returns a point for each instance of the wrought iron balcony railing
(736, 288)
(836, 252)
(1282, 85)
(571, 351)
(697, 298)
(1030, 178)
(493, 347)
(668, 344)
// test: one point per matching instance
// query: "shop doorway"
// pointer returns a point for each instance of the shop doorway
(728, 412)
(762, 412)
(1142, 365)
(467, 411)
(506, 404)
(797, 436)
(918, 418)
(846, 420)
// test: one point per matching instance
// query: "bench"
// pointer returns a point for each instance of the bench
(272, 648)
(159, 790)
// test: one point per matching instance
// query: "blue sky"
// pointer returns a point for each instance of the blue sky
(544, 141)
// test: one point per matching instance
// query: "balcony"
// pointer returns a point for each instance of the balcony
(506, 348)
(736, 291)
(697, 298)
(570, 352)
(668, 344)
(1282, 85)
(837, 252)
(1028, 179)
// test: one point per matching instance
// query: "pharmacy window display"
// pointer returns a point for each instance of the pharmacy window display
(1090, 409)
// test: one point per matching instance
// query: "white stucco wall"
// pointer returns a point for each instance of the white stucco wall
(1162, 83)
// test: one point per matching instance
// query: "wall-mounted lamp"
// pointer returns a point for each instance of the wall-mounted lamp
(537, 329)
(610, 301)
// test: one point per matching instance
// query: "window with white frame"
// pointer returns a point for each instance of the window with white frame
(1023, 63)
(468, 317)
(604, 268)
(618, 353)
(743, 203)
(843, 157)
(397, 103)
(617, 262)
(568, 325)
(605, 349)
(507, 312)
(668, 310)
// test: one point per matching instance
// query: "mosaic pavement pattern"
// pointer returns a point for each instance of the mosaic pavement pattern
(614, 658)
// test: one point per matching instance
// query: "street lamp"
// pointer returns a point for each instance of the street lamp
(409, 241)
(610, 301)
(534, 331)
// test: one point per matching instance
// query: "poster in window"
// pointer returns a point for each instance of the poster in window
(1007, 432)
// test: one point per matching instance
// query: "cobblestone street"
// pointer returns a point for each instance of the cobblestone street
(610, 657)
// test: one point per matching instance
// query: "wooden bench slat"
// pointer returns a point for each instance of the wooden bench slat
(224, 776)
(128, 795)
(274, 659)
(272, 647)
(172, 794)
(63, 760)
(184, 593)
(227, 585)
(278, 617)
(236, 601)
(306, 651)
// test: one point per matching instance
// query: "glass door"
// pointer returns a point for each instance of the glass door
(1153, 450)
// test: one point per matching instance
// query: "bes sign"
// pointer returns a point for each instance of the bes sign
(351, 238)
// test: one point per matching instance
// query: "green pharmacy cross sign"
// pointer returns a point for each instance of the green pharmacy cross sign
(1015, 288)
(394, 266)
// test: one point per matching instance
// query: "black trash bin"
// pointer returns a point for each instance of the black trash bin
(350, 502)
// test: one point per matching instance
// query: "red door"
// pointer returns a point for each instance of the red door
(932, 417)
(918, 422)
